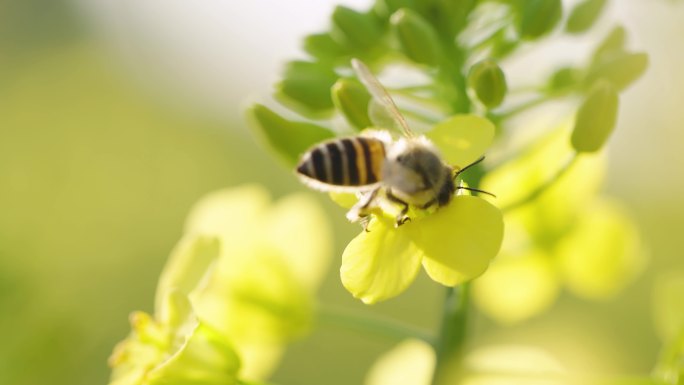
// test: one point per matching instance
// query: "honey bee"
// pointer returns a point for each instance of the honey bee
(408, 171)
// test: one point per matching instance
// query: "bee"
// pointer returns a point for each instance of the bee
(408, 171)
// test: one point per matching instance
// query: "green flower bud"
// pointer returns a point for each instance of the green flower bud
(417, 37)
(489, 82)
(354, 29)
(539, 17)
(385, 8)
(351, 98)
(307, 84)
(613, 43)
(621, 69)
(289, 139)
(323, 47)
(584, 15)
(564, 78)
(595, 118)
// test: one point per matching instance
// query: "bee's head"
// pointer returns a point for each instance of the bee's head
(414, 165)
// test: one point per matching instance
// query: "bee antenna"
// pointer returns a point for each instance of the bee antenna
(475, 190)
(468, 166)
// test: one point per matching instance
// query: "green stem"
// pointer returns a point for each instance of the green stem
(452, 335)
(371, 325)
(534, 194)
(668, 364)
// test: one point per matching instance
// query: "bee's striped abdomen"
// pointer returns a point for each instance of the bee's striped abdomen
(350, 162)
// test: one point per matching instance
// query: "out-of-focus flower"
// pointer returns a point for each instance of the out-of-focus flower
(412, 362)
(409, 363)
(248, 274)
(565, 237)
(454, 243)
(173, 348)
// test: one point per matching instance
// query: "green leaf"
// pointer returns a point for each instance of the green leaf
(307, 84)
(289, 139)
(417, 37)
(620, 69)
(355, 29)
(462, 139)
(351, 98)
(596, 118)
(584, 15)
(539, 17)
(489, 82)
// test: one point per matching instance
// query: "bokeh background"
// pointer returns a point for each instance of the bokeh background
(117, 115)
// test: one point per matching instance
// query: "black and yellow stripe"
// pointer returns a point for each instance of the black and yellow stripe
(350, 162)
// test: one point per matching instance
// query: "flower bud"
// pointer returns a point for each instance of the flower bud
(584, 15)
(539, 17)
(418, 39)
(621, 69)
(307, 84)
(612, 44)
(489, 82)
(351, 99)
(354, 29)
(564, 78)
(595, 118)
(385, 8)
(323, 47)
(288, 138)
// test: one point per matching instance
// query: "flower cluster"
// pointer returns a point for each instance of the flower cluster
(236, 289)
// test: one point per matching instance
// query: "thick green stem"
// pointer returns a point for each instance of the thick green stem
(452, 335)
(371, 325)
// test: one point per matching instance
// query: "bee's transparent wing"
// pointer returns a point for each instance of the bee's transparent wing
(382, 109)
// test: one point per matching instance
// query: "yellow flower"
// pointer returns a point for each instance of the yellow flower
(173, 348)
(412, 362)
(249, 270)
(565, 237)
(454, 244)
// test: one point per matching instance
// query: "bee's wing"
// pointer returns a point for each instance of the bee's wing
(382, 107)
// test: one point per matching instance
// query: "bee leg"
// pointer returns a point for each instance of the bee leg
(359, 212)
(365, 221)
(428, 205)
(401, 218)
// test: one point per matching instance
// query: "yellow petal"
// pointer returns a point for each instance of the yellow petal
(344, 199)
(259, 360)
(409, 363)
(552, 211)
(512, 364)
(517, 287)
(232, 213)
(462, 139)
(602, 253)
(381, 263)
(298, 228)
(188, 265)
(204, 358)
(256, 299)
(459, 240)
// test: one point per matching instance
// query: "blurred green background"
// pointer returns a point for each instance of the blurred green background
(108, 135)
